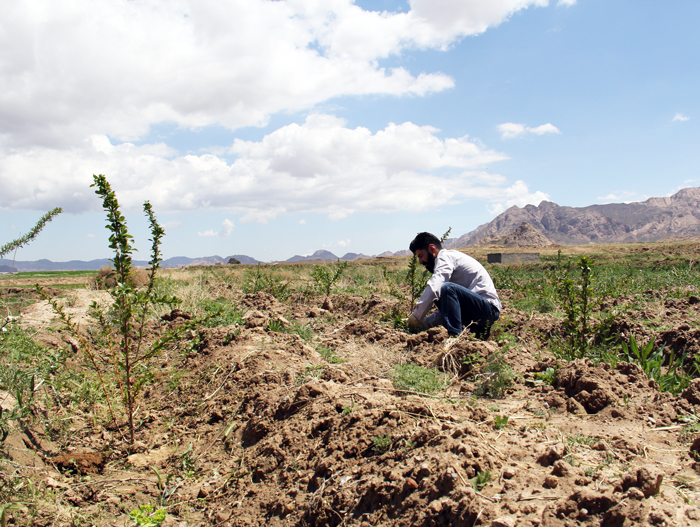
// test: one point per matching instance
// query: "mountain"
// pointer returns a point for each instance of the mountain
(647, 221)
(318, 255)
(354, 256)
(524, 236)
(94, 265)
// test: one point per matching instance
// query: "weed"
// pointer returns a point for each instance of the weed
(329, 355)
(414, 378)
(147, 516)
(500, 422)
(347, 409)
(395, 317)
(498, 377)
(674, 380)
(549, 376)
(257, 280)
(326, 276)
(481, 480)
(381, 444)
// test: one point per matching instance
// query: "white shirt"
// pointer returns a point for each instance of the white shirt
(459, 268)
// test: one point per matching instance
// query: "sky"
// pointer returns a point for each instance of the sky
(274, 128)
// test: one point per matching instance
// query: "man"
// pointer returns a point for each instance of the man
(460, 287)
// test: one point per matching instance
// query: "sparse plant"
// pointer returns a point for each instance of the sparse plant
(500, 422)
(574, 293)
(481, 480)
(123, 326)
(33, 233)
(674, 379)
(498, 376)
(147, 516)
(348, 408)
(327, 276)
(414, 378)
(549, 376)
(257, 279)
(381, 444)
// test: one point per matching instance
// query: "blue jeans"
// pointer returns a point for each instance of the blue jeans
(461, 307)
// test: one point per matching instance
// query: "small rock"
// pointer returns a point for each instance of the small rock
(509, 473)
(504, 521)
(554, 453)
(551, 482)
(424, 470)
(634, 494)
(411, 483)
(600, 446)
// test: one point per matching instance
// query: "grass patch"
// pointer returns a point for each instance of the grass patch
(414, 378)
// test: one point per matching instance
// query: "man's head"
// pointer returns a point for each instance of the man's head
(426, 247)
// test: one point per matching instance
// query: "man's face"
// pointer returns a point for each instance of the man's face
(426, 259)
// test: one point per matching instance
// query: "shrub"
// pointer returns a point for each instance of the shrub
(106, 278)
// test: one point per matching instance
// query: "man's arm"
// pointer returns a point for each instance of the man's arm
(444, 267)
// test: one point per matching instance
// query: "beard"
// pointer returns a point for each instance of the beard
(430, 263)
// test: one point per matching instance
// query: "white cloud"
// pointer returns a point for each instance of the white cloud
(89, 235)
(680, 117)
(622, 196)
(114, 67)
(567, 3)
(302, 222)
(320, 166)
(344, 243)
(226, 228)
(511, 130)
(517, 194)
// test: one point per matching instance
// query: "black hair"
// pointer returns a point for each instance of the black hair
(423, 240)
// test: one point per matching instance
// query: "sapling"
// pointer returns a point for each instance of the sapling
(122, 326)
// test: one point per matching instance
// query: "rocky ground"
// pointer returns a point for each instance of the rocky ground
(247, 426)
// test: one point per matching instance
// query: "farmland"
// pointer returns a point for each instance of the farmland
(292, 394)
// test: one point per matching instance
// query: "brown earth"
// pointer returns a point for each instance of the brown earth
(254, 427)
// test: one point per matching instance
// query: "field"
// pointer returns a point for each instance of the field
(291, 394)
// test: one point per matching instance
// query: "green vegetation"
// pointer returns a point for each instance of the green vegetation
(122, 327)
(497, 375)
(481, 480)
(381, 444)
(147, 516)
(33, 233)
(326, 276)
(414, 378)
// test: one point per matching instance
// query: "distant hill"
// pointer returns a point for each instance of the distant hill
(318, 255)
(351, 257)
(94, 265)
(647, 221)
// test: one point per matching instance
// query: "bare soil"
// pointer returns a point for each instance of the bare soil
(255, 427)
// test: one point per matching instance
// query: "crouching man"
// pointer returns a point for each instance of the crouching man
(460, 287)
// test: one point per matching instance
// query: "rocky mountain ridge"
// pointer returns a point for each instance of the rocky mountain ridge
(647, 221)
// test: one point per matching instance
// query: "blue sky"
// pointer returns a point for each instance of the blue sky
(279, 128)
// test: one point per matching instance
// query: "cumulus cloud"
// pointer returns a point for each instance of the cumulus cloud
(519, 195)
(344, 243)
(511, 130)
(622, 196)
(680, 117)
(567, 3)
(319, 166)
(115, 67)
(226, 229)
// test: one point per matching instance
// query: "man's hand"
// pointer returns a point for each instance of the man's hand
(416, 325)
